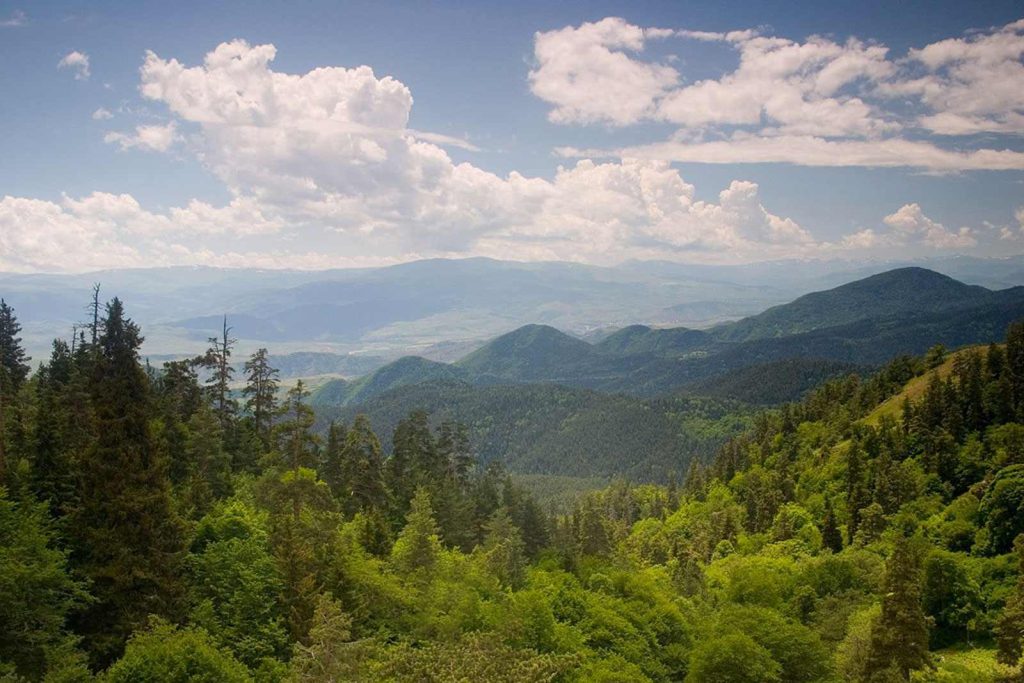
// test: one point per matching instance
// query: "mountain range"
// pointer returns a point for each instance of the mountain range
(548, 402)
(439, 309)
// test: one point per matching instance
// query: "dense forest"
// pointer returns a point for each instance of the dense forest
(156, 524)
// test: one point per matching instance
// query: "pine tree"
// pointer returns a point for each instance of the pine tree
(830, 536)
(1015, 366)
(129, 540)
(857, 495)
(295, 443)
(1010, 626)
(331, 466)
(418, 548)
(57, 435)
(455, 451)
(363, 469)
(899, 640)
(13, 371)
(218, 360)
(261, 392)
(503, 549)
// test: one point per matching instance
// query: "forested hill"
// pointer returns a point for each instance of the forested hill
(864, 323)
(900, 291)
(154, 527)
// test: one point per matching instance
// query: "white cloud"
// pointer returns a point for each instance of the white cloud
(327, 158)
(77, 62)
(786, 87)
(17, 18)
(155, 138)
(973, 84)
(909, 222)
(806, 150)
(589, 75)
(816, 102)
(102, 114)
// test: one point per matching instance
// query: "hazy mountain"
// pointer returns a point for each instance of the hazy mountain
(904, 290)
(435, 308)
(860, 324)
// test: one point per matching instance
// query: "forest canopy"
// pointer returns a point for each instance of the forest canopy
(188, 522)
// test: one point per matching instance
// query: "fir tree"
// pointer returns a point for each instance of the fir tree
(364, 488)
(13, 371)
(418, 548)
(1010, 626)
(129, 540)
(218, 361)
(857, 495)
(899, 639)
(295, 444)
(503, 549)
(261, 392)
(830, 536)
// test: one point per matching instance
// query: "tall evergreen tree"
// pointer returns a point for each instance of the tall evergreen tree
(830, 536)
(261, 392)
(899, 639)
(1015, 366)
(296, 445)
(857, 495)
(13, 371)
(363, 467)
(331, 466)
(129, 540)
(1010, 626)
(218, 361)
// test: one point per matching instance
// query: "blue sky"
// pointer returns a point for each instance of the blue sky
(452, 147)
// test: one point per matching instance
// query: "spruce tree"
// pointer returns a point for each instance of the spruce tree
(331, 465)
(129, 540)
(13, 371)
(899, 639)
(1010, 626)
(261, 392)
(857, 495)
(57, 435)
(503, 549)
(295, 443)
(831, 538)
(218, 361)
(418, 548)
(363, 465)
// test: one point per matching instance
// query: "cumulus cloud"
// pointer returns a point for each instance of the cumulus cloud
(77, 62)
(813, 102)
(587, 73)
(155, 138)
(104, 230)
(326, 158)
(102, 114)
(973, 84)
(909, 222)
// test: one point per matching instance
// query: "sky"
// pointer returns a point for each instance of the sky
(333, 134)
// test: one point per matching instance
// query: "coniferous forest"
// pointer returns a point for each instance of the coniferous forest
(192, 522)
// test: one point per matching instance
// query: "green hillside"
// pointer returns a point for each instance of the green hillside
(551, 429)
(903, 290)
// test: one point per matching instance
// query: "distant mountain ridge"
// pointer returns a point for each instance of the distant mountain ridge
(859, 324)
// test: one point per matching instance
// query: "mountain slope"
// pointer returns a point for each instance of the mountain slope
(400, 373)
(551, 429)
(637, 339)
(528, 353)
(904, 290)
